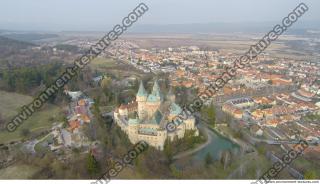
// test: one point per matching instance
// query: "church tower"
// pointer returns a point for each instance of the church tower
(141, 98)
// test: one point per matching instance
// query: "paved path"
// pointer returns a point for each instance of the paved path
(31, 144)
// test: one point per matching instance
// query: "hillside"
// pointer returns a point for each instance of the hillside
(8, 43)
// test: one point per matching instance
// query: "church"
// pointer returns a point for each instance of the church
(146, 117)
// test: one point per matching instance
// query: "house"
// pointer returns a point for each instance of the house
(273, 122)
(233, 110)
(256, 130)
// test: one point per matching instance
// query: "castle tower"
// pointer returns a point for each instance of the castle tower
(154, 99)
(156, 90)
(141, 98)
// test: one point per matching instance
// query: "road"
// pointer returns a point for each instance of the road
(31, 144)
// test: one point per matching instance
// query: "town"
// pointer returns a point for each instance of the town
(116, 118)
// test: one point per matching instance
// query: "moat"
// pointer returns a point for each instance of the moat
(217, 145)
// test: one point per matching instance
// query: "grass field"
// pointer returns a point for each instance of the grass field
(11, 102)
(41, 147)
(116, 68)
(18, 172)
(39, 121)
(102, 63)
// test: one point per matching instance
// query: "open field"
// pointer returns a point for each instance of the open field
(18, 172)
(229, 43)
(118, 69)
(11, 102)
(102, 63)
(39, 121)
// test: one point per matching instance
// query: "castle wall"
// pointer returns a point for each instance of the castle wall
(141, 110)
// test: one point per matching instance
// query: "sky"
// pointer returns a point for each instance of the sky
(69, 15)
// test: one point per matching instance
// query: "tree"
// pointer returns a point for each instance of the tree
(168, 151)
(92, 165)
(208, 160)
(225, 159)
(210, 112)
(65, 122)
(261, 150)
(212, 115)
(105, 83)
(175, 172)
(310, 175)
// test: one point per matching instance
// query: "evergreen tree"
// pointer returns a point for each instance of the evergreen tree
(212, 115)
(168, 151)
(92, 165)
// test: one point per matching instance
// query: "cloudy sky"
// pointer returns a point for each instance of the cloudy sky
(100, 14)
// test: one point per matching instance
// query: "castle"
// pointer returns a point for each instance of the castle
(146, 117)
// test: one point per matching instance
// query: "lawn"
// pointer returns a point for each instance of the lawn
(102, 63)
(116, 68)
(41, 147)
(11, 102)
(39, 121)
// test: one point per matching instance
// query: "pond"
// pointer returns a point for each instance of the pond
(217, 145)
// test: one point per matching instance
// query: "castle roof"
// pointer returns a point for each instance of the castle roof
(175, 109)
(156, 89)
(157, 117)
(155, 94)
(142, 91)
(133, 121)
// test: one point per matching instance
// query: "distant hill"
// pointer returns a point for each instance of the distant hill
(29, 37)
(9, 44)
(11, 49)
(298, 28)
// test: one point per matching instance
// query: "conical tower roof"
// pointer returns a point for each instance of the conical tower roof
(156, 89)
(142, 91)
(155, 95)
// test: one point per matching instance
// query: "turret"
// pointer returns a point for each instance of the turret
(155, 95)
(142, 94)
(156, 89)
(154, 99)
(141, 98)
